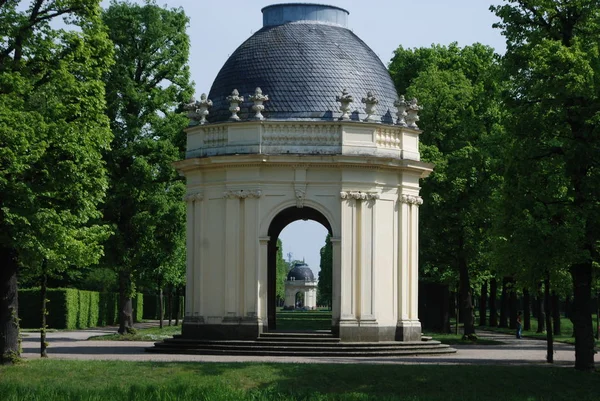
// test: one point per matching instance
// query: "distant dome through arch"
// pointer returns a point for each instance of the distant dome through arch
(301, 271)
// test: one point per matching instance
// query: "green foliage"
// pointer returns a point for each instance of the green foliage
(461, 122)
(324, 286)
(282, 269)
(69, 308)
(53, 131)
(151, 306)
(146, 85)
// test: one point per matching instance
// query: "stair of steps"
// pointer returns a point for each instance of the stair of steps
(299, 344)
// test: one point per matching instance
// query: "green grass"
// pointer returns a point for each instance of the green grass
(304, 320)
(51, 380)
(151, 334)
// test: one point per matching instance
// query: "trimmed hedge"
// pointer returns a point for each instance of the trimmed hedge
(69, 308)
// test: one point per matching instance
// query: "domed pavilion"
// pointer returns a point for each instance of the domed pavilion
(302, 122)
(300, 288)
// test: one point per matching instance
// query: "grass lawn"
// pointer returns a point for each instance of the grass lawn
(51, 380)
(304, 320)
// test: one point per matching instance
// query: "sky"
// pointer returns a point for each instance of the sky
(217, 28)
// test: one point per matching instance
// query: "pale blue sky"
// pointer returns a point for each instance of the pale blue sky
(217, 28)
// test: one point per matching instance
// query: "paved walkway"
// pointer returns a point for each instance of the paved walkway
(74, 345)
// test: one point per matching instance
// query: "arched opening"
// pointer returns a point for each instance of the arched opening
(299, 299)
(279, 222)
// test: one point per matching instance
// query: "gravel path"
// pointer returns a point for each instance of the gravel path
(74, 345)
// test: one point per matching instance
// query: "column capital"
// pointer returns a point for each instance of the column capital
(189, 198)
(411, 199)
(359, 195)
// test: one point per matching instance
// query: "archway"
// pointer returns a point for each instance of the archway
(279, 222)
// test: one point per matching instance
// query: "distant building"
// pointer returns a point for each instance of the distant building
(300, 280)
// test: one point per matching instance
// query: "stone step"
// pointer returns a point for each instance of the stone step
(300, 346)
(305, 352)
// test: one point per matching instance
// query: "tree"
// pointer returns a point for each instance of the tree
(149, 80)
(461, 122)
(282, 269)
(52, 132)
(324, 286)
(552, 68)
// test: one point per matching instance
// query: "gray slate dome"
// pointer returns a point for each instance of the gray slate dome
(301, 271)
(302, 58)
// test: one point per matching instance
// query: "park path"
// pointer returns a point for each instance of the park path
(512, 351)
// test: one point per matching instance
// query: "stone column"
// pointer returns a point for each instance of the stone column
(348, 262)
(263, 280)
(231, 268)
(408, 327)
(336, 283)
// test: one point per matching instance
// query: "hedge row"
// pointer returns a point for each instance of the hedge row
(151, 307)
(69, 308)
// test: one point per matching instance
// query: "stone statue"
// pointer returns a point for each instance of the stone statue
(234, 104)
(370, 102)
(345, 101)
(258, 98)
(401, 106)
(412, 110)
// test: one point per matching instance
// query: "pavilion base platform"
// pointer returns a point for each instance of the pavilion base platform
(310, 344)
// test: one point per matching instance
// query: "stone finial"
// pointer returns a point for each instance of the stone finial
(191, 107)
(370, 102)
(412, 110)
(258, 98)
(234, 104)
(345, 101)
(202, 107)
(401, 105)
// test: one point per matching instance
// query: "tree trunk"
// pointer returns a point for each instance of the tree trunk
(504, 304)
(161, 310)
(582, 316)
(598, 316)
(466, 302)
(513, 307)
(9, 307)
(548, 307)
(555, 314)
(125, 304)
(541, 315)
(526, 310)
(43, 290)
(170, 303)
(493, 309)
(177, 306)
(483, 304)
(568, 306)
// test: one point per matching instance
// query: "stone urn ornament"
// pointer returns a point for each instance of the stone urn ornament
(401, 105)
(202, 108)
(234, 104)
(258, 99)
(345, 101)
(370, 103)
(191, 107)
(412, 110)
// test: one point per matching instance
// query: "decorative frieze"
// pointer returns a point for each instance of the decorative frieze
(242, 194)
(388, 138)
(301, 135)
(189, 198)
(258, 99)
(370, 103)
(234, 104)
(215, 137)
(359, 195)
(345, 99)
(411, 199)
